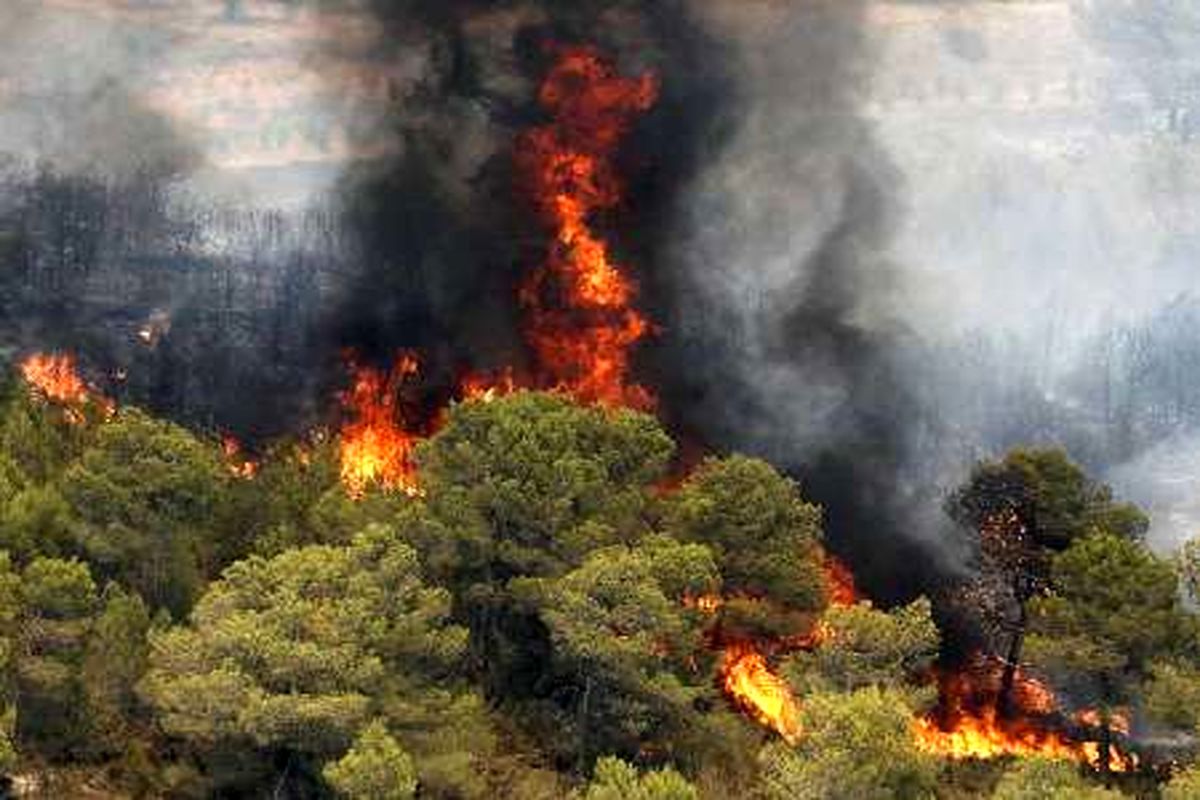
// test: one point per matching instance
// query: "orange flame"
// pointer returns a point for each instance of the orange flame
(704, 603)
(746, 676)
(486, 388)
(55, 378)
(985, 736)
(239, 466)
(750, 683)
(582, 325)
(840, 582)
(376, 449)
(969, 723)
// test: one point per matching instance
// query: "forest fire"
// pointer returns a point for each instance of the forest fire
(54, 377)
(376, 448)
(970, 722)
(582, 325)
(235, 459)
(747, 678)
(486, 388)
(840, 582)
(761, 693)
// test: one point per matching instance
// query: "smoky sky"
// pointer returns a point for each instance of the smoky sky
(940, 230)
(880, 240)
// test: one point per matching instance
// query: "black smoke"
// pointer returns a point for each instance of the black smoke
(763, 219)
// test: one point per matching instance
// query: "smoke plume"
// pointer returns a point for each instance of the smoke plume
(880, 239)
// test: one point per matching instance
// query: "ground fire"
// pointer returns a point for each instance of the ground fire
(969, 722)
(750, 683)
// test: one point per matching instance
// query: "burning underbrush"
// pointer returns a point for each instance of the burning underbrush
(974, 719)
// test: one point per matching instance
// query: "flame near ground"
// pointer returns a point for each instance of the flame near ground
(971, 722)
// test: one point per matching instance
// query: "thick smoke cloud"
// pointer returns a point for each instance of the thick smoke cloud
(785, 312)
(978, 233)
(882, 239)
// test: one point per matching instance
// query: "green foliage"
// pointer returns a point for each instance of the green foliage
(625, 641)
(528, 621)
(1051, 495)
(765, 537)
(147, 492)
(615, 780)
(375, 768)
(10, 609)
(296, 499)
(1184, 785)
(1187, 567)
(35, 438)
(533, 482)
(56, 589)
(1042, 779)
(37, 521)
(57, 599)
(1114, 607)
(856, 746)
(114, 660)
(863, 646)
(1172, 696)
(292, 650)
(299, 650)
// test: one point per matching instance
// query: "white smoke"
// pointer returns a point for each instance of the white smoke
(1040, 176)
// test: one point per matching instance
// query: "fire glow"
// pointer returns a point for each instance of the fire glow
(235, 459)
(582, 325)
(751, 684)
(747, 678)
(54, 378)
(970, 723)
(376, 448)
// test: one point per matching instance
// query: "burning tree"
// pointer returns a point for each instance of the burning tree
(582, 324)
(1022, 510)
(766, 540)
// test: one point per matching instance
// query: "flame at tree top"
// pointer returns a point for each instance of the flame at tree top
(582, 325)
(376, 448)
(235, 459)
